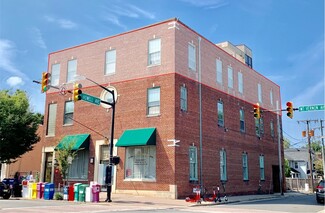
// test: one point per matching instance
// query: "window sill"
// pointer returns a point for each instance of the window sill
(153, 115)
(140, 180)
(153, 65)
(67, 125)
(49, 136)
(109, 74)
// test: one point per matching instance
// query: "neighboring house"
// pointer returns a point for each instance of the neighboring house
(298, 161)
(28, 162)
(172, 85)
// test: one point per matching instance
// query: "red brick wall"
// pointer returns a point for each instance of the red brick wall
(132, 79)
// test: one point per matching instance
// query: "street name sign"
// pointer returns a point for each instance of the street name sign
(311, 108)
(90, 98)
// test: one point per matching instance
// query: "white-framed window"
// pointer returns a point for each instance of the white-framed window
(68, 113)
(242, 120)
(110, 58)
(72, 70)
(245, 166)
(55, 75)
(79, 167)
(296, 165)
(223, 165)
(272, 128)
(230, 77)
(140, 163)
(51, 120)
(259, 93)
(240, 83)
(219, 71)
(193, 163)
(153, 105)
(262, 172)
(221, 118)
(154, 52)
(271, 97)
(257, 127)
(183, 98)
(191, 57)
(261, 126)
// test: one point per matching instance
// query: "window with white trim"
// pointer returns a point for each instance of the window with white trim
(245, 166)
(271, 97)
(230, 77)
(55, 75)
(223, 165)
(262, 172)
(242, 120)
(110, 62)
(183, 98)
(191, 57)
(68, 112)
(221, 121)
(51, 120)
(259, 93)
(219, 71)
(272, 128)
(193, 163)
(72, 70)
(257, 127)
(240, 83)
(154, 53)
(140, 163)
(153, 105)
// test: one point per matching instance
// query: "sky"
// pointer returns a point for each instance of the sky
(285, 36)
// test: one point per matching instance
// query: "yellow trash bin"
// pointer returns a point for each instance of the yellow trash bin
(34, 190)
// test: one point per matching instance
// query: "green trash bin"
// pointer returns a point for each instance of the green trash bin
(82, 192)
(76, 191)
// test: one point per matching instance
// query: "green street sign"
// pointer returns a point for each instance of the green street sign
(311, 108)
(90, 98)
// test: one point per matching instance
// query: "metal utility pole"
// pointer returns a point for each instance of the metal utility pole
(322, 136)
(310, 151)
(279, 147)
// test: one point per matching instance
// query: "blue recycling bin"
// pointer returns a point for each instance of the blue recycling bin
(49, 191)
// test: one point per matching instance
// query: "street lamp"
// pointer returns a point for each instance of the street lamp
(108, 173)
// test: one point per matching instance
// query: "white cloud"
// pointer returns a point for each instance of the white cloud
(209, 4)
(142, 12)
(311, 94)
(63, 23)
(115, 13)
(114, 20)
(38, 38)
(15, 81)
(7, 53)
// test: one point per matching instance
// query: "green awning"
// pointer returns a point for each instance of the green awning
(138, 137)
(80, 141)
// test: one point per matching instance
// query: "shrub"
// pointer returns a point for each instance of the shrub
(58, 196)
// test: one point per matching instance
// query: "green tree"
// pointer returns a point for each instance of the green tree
(65, 154)
(286, 143)
(18, 125)
(286, 168)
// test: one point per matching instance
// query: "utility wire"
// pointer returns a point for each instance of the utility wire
(88, 127)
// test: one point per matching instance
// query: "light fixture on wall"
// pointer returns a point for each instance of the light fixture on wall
(91, 160)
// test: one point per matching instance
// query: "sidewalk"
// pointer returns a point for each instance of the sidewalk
(134, 200)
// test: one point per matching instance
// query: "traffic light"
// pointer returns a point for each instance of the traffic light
(76, 93)
(115, 160)
(290, 109)
(45, 81)
(257, 111)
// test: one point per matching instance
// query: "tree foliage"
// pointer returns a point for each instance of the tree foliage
(63, 155)
(286, 168)
(286, 143)
(18, 125)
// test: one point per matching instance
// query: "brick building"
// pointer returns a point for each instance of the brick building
(183, 114)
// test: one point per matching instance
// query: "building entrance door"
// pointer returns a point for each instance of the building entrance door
(48, 167)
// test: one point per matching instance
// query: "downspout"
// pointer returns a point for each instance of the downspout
(200, 112)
